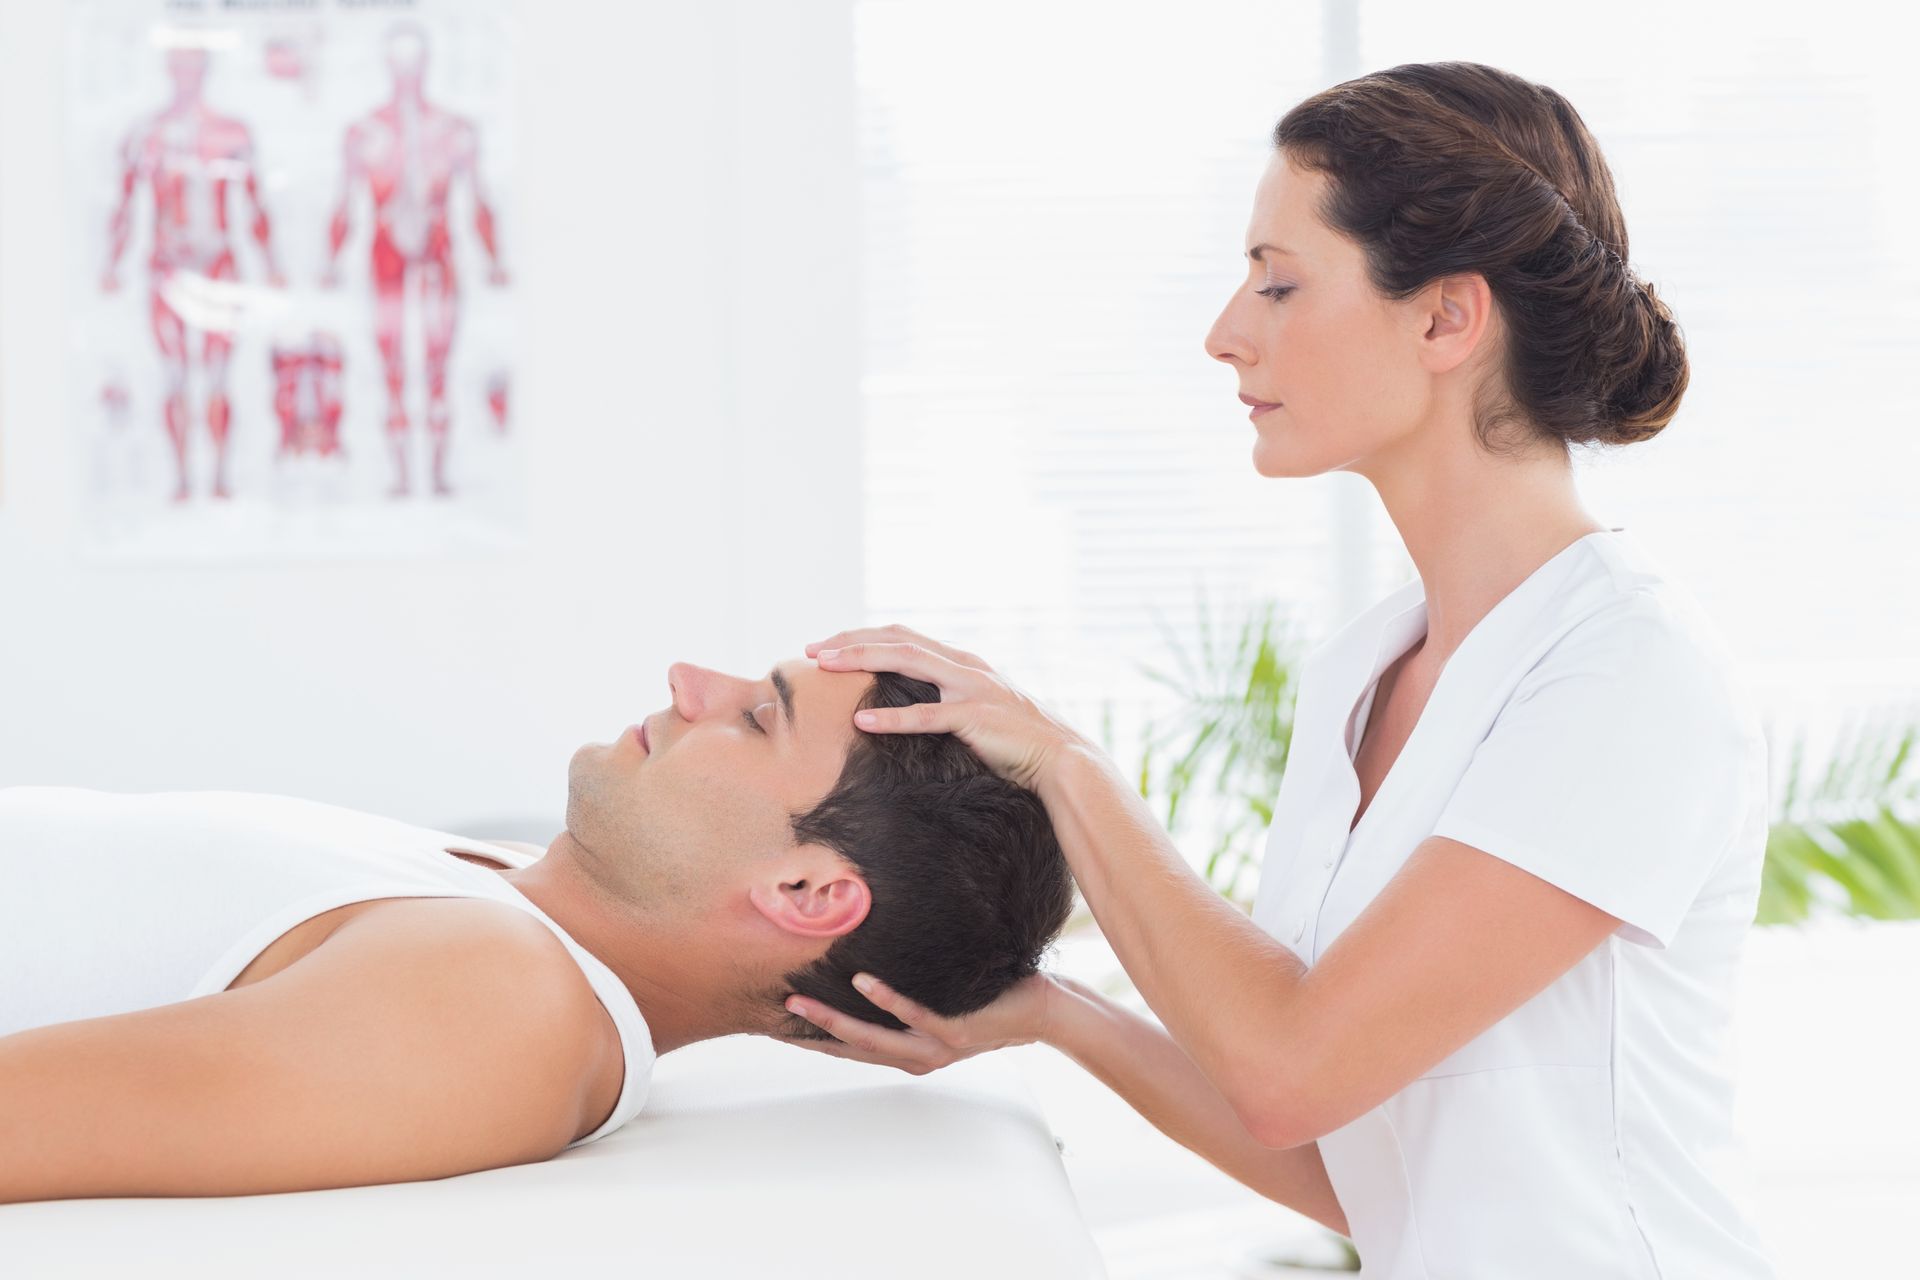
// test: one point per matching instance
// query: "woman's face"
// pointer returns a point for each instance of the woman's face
(1338, 361)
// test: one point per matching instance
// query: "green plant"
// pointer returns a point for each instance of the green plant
(1226, 740)
(1848, 843)
(1344, 1257)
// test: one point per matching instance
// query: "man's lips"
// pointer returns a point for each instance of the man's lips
(640, 736)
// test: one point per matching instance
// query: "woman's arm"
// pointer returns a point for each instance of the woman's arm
(1140, 1062)
(1219, 983)
(1128, 1053)
(1456, 940)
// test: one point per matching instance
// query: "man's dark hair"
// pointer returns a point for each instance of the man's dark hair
(968, 882)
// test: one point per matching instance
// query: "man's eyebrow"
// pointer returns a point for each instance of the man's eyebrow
(785, 690)
(1259, 249)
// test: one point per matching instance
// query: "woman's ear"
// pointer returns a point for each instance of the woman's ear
(812, 895)
(1455, 317)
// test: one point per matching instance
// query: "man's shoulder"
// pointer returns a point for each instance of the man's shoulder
(460, 939)
(447, 950)
(420, 1040)
(441, 917)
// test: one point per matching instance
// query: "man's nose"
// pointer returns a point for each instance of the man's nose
(698, 691)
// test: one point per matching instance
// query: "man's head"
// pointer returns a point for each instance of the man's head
(758, 812)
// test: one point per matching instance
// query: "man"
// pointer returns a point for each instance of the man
(401, 1014)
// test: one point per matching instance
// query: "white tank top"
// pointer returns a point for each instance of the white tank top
(111, 902)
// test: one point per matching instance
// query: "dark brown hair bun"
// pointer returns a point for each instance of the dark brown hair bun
(1446, 167)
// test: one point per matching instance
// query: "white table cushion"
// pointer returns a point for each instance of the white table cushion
(751, 1158)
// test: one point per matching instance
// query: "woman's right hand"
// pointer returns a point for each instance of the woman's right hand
(1018, 1016)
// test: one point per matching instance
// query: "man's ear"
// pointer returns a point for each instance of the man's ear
(812, 892)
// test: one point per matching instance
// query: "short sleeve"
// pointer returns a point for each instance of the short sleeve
(1616, 770)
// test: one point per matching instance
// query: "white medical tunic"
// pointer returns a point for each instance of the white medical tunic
(1589, 731)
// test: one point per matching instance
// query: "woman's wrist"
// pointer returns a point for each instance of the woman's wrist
(1061, 999)
(1066, 766)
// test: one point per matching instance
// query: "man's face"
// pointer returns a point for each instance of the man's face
(725, 766)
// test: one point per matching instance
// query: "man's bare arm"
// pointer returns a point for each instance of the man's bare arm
(434, 1037)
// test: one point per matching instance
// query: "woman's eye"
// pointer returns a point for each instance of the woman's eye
(1275, 291)
(752, 723)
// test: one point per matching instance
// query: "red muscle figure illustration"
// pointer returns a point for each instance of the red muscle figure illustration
(497, 389)
(306, 396)
(409, 153)
(190, 155)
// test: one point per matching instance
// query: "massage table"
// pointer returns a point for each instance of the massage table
(752, 1158)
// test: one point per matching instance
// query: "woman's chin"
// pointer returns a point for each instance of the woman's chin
(1276, 463)
(1278, 456)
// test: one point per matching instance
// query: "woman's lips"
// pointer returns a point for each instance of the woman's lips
(1260, 409)
(640, 736)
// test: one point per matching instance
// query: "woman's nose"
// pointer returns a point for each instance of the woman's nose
(1222, 341)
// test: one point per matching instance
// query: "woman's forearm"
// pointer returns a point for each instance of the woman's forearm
(1141, 1063)
(1219, 984)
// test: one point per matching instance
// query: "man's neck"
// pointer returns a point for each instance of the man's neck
(682, 988)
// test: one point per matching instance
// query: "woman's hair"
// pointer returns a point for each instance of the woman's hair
(1446, 167)
(969, 884)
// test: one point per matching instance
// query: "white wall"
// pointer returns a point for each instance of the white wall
(687, 260)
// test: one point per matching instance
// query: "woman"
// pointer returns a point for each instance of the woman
(1479, 1019)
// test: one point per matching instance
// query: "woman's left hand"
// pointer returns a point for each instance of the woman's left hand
(1018, 1016)
(1009, 731)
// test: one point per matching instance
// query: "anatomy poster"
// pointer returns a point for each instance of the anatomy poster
(293, 249)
